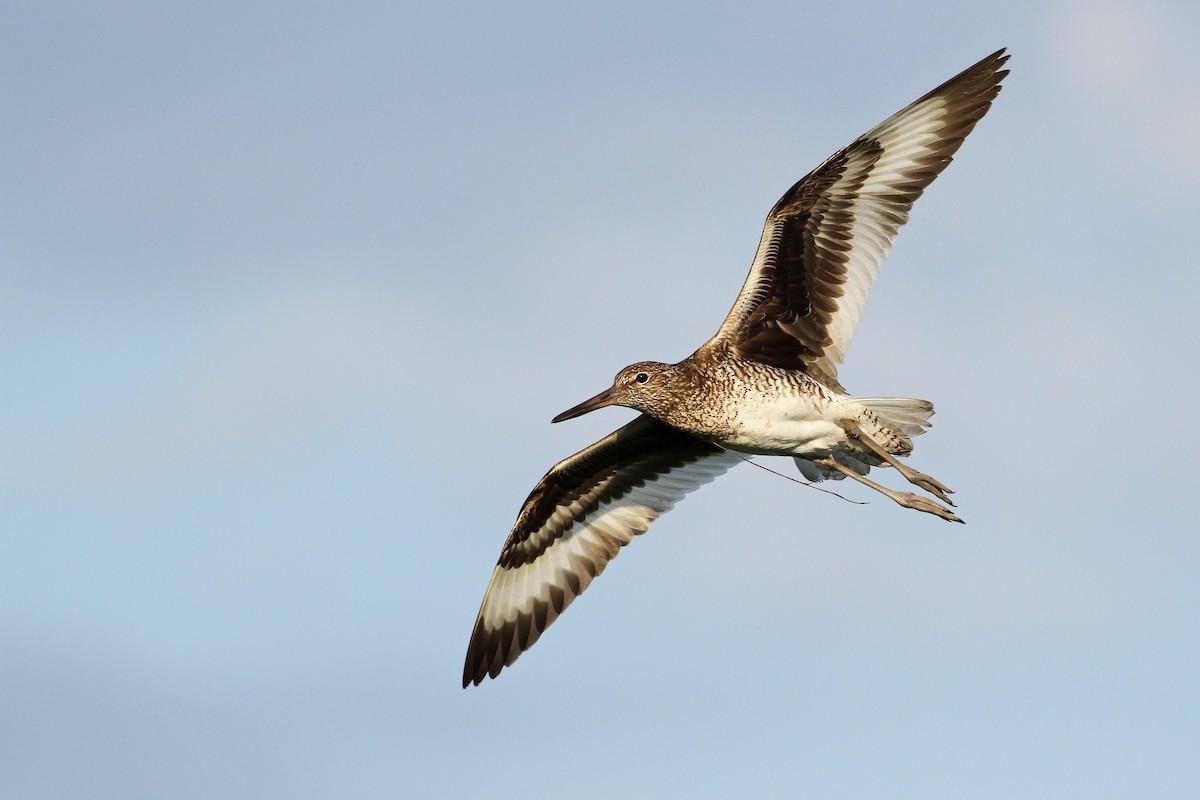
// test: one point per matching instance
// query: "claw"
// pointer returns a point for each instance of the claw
(915, 501)
(919, 479)
(906, 499)
(934, 487)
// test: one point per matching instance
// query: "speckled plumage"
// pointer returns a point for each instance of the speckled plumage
(740, 404)
(765, 384)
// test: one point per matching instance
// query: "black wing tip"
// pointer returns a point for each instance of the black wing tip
(471, 673)
(985, 74)
(992, 69)
(486, 653)
(475, 669)
(996, 61)
(993, 61)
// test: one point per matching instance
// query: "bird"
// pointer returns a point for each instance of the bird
(765, 384)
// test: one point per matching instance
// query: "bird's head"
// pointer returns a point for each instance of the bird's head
(645, 386)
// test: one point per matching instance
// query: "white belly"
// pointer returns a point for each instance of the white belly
(797, 426)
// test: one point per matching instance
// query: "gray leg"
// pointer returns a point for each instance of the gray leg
(906, 499)
(934, 487)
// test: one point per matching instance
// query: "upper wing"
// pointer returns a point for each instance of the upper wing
(573, 523)
(824, 240)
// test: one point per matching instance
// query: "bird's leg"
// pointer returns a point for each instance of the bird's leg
(929, 484)
(906, 499)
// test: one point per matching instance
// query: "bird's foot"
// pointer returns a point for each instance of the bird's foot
(918, 479)
(931, 485)
(915, 501)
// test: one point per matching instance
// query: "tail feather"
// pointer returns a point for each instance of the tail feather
(906, 414)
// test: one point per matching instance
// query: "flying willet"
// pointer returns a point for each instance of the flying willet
(765, 384)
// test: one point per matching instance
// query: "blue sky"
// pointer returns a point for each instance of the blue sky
(291, 292)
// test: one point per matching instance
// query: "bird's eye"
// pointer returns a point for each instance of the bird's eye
(641, 377)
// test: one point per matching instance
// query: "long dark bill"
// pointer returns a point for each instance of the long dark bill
(601, 400)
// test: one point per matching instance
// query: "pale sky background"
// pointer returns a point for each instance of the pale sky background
(289, 294)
